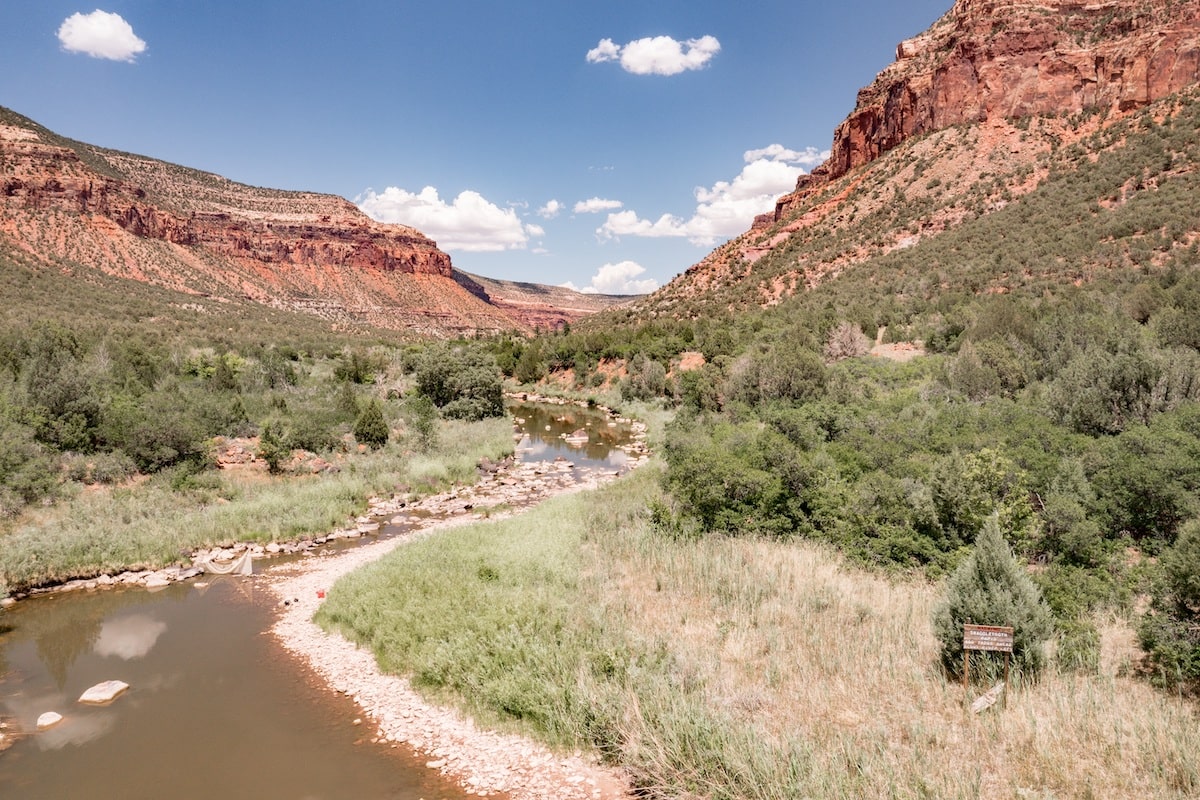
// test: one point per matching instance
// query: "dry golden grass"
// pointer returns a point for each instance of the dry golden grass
(734, 669)
(800, 649)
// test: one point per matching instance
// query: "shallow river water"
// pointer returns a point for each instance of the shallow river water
(215, 708)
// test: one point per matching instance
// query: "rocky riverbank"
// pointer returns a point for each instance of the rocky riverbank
(484, 763)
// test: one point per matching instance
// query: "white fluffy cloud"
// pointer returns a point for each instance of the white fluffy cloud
(551, 210)
(728, 207)
(620, 278)
(657, 55)
(100, 34)
(595, 205)
(808, 157)
(470, 223)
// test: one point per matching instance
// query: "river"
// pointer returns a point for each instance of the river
(215, 708)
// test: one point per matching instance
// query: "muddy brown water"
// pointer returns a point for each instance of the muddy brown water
(215, 708)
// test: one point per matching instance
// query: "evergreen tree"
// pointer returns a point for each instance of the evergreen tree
(224, 377)
(271, 448)
(992, 588)
(371, 428)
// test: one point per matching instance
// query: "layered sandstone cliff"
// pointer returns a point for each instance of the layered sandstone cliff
(1006, 59)
(195, 232)
(973, 115)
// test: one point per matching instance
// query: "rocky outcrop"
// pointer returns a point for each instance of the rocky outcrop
(195, 232)
(988, 59)
(974, 114)
(320, 229)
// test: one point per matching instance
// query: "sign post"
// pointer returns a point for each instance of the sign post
(987, 638)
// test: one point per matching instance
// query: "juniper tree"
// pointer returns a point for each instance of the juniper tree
(271, 448)
(371, 428)
(992, 588)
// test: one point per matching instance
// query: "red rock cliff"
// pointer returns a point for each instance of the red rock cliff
(155, 200)
(1014, 58)
(139, 218)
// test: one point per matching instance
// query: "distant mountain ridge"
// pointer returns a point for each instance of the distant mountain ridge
(81, 206)
(539, 306)
(974, 113)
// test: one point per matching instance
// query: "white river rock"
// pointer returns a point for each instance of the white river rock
(48, 720)
(103, 693)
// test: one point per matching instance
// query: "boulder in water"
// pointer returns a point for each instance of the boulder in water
(103, 693)
(48, 720)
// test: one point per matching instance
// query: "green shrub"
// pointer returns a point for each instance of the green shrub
(371, 428)
(1072, 591)
(992, 588)
(314, 431)
(699, 389)
(646, 379)
(1148, 478)
(156, 431)
(462, 381)
(355, 366)
(725, 478)
(781, 372)
(271, 448)
(27, 471)
(1170, 633)
(530, 367)
(967, 489)
(421, 416)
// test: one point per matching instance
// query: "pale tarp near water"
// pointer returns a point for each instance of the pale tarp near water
(242, 565)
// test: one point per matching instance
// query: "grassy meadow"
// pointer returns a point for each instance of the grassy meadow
(743, 667)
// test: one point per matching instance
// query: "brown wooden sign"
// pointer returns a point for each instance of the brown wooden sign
(994, 638)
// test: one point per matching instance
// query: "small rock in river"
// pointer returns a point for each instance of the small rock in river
(48, 720)
(103, 693)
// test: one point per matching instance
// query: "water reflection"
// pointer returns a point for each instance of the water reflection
(549, 432)
(78, 726)
(129, 637)
(206, 687)
(67, 630)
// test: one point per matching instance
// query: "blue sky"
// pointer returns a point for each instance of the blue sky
(609, 145)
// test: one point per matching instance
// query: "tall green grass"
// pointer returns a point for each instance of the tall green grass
(154, 524)
(736, 668)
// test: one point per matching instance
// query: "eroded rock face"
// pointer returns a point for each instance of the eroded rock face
(1013, 58)
(274, 228)
(199, 233)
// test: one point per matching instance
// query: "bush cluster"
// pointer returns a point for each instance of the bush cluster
(78, 405)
